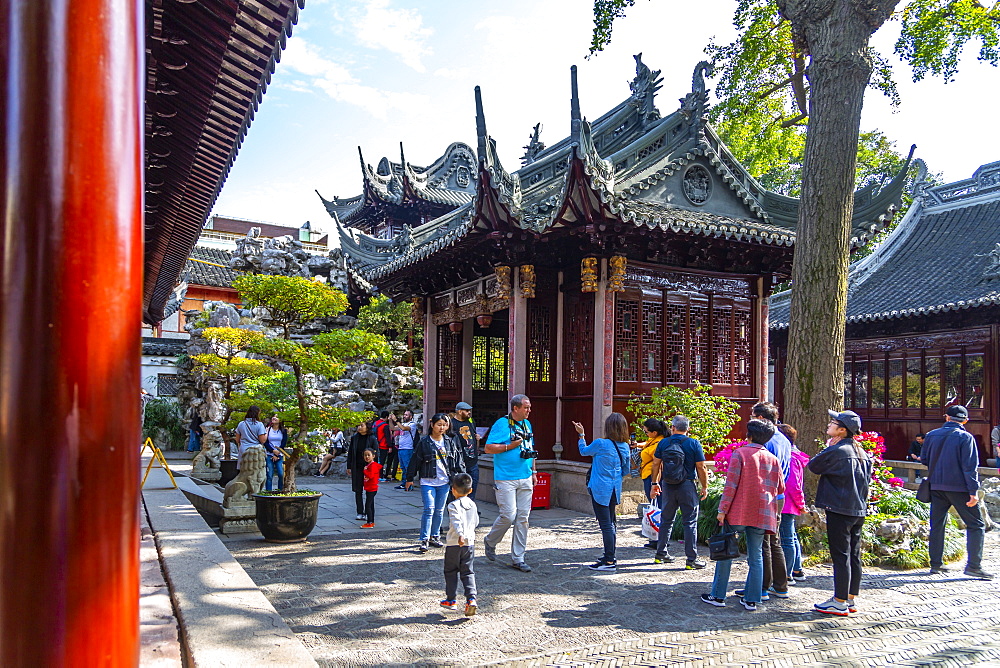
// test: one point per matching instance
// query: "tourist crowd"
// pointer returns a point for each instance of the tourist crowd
(761, 500)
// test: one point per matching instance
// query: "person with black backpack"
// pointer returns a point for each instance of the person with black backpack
(676, 461)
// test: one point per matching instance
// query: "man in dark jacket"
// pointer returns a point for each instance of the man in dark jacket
(952, 459)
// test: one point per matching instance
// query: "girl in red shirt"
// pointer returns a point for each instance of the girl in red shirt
(371, 473)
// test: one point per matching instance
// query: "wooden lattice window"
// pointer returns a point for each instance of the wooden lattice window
(627, 340)
(722, 344)
(539, 343)
(489, 363)
(698, 353)
(449, 349)
(742, 349)
(579, 340)
(166, 384)
(676, 325)
(651, 358)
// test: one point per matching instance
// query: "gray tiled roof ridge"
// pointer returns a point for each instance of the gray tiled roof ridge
(937, 257)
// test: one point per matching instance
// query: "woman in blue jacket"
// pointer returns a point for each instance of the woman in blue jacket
(611, 457)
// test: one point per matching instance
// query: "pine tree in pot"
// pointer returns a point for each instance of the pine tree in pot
(288, 305)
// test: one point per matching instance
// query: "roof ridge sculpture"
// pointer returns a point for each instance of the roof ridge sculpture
(507, 186)
(644, 88)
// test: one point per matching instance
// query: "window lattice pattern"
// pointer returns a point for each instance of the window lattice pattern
(166, 385)
(676, 324)
(652, 148)
(722, 344)
(652, 342)
(698, 328)
(448, 356)
(742, 350)
(579, 338)
(626, 340)
(539, 344)
(489, 363)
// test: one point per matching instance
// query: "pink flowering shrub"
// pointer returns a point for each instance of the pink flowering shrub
(723, 456)
(882, 478)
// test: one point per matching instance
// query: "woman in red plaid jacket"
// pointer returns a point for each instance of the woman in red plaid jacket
(753, 482)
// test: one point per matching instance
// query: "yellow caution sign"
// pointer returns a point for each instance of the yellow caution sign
(157, 457)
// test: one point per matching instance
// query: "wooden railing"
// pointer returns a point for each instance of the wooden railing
(909, 471)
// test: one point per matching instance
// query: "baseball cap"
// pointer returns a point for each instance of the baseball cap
(958, 412)
(463, 406)
(849, 419)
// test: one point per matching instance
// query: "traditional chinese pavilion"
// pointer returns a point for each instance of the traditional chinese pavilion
(634, 253)
(923, 317)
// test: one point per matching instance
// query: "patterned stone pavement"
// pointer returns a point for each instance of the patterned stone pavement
(361, 598)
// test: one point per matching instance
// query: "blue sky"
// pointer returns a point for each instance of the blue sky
(374, 73)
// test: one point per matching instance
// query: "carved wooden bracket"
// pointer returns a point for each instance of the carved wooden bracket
(527, 275)
(616, 279)
(588, 274)
(503, 282)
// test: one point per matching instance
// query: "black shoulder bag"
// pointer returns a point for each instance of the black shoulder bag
(724, 545)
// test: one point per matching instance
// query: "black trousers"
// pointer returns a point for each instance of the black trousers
(843, 533)
(370, 505)
(359, 500)
(389, 459)
(458, 562)
(775, 569)
(685, 497)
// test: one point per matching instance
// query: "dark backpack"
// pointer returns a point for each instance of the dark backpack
(671, 456)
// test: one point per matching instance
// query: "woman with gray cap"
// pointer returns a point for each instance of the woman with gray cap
(844, 470)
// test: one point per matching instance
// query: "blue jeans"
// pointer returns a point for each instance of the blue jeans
(609, 529)
(647, 484)
(474, 474)
(194, 440)
(434, 502)
(271, 468)
(404, 460)
(790, 543)
(755, 556)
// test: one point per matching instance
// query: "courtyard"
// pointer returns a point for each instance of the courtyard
(361, 597)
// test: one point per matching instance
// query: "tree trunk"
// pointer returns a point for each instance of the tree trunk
(835, 34)
(298, 446)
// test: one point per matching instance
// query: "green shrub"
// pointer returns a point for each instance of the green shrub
(164, 423)
(712, 417)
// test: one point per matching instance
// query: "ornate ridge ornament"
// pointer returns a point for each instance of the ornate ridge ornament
(588, 274)
(697, 184)
(644, 87)
(616, 279)
(527, 281)
(503, 282)
(693, 104)
(534, 147)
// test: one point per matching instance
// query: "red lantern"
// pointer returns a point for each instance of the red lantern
(455, 327)
(484, 320)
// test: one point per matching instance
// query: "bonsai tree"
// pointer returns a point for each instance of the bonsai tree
(712, 417)
(287, 304)
(229, 366)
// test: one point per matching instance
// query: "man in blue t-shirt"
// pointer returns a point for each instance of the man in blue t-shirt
(509, 439)
(682, 495)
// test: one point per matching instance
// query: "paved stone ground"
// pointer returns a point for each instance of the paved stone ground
(367, 597)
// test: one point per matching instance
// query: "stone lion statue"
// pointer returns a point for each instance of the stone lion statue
(250, 478)
(211, 451)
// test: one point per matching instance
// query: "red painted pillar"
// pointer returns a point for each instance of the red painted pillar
(70, 290)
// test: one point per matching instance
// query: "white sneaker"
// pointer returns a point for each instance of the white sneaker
(833, 607)
(361, 516)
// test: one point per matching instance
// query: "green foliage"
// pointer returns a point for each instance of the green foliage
(300, 492)
(382, 316)
(605, 13)
(353, 345)
(237, 368)
(164, 423)
(237, 405)
(935, 32)
(277, 389)
(290, 300)
(289, 303)
(712, 417)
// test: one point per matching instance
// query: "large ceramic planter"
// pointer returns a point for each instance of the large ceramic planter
(286, 519)
(227, 471)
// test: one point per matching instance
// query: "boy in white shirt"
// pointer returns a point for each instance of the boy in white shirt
(459, 548)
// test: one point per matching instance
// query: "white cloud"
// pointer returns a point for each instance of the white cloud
(337, 81)
(454, 73)
(397, 30)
